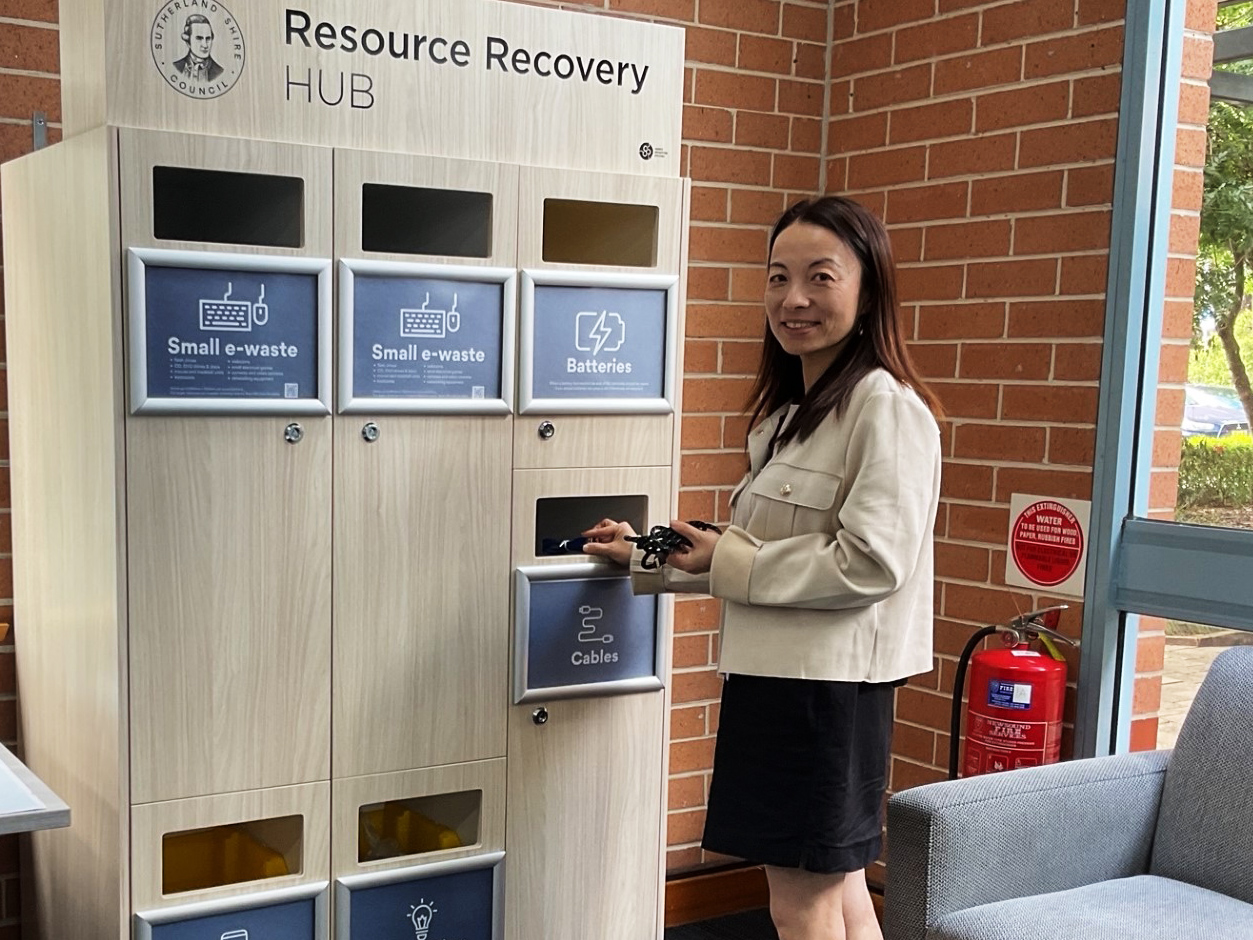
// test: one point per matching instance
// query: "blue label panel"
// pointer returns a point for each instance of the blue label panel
(589, 631)
(1004, 694)
(599, 342)
(422, 337)
(445, 907)
(231, 334)
(293, 920)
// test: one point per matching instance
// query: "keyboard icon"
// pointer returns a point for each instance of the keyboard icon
(233, 316)
(230, 315)
(423, 323)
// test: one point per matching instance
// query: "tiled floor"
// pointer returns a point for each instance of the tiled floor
(1181, 676)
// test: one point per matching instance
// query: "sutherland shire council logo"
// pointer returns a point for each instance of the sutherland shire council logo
(198, 47)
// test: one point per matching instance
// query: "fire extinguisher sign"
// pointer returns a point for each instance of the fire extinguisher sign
(1048, 543)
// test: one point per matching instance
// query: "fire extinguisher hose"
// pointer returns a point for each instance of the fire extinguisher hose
(959, 686)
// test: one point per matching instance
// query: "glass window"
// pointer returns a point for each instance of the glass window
(1174, 465)
(1216, 452)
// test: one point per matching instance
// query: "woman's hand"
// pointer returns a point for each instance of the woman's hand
(607, 539)
(698, 558)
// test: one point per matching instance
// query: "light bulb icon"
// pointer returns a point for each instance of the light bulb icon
(421, 915)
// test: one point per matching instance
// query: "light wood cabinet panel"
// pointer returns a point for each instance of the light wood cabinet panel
(583, 833)
(230, 604)
(586, 788)
(592, 440)
(62, 287)
(422, 592)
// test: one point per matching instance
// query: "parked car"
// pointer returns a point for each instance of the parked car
(1213, 411)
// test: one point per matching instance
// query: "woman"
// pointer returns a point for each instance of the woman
(825, 573)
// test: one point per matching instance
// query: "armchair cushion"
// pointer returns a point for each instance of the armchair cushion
(965, 843)
(1145, 907)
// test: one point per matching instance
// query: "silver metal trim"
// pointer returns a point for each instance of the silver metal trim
(54, 814)
(506, 277)
(319, 892)
(528, 404)
(348, 883)
(137, 332)
(591, 690)
(524, 575)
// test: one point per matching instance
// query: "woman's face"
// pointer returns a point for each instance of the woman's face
(813, 289)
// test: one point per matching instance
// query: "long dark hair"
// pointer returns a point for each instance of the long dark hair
(877, 341)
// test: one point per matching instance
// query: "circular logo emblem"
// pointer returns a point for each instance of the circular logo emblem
(646, 151)
(198, 47)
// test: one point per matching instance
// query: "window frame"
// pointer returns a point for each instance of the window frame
(1140, 566)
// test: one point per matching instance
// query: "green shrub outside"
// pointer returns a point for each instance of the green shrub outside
(1216, 471)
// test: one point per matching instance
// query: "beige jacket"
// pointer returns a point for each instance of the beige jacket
(826, 570)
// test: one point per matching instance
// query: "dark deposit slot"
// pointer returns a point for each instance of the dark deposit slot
(411, 220)
(227, 208)
(605, 233)
(561, 518)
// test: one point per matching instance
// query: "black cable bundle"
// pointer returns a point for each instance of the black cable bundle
(661, 540)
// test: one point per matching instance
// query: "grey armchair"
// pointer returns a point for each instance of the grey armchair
(1150, 846)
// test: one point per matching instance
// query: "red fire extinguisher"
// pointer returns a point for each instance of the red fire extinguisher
(1014, 713)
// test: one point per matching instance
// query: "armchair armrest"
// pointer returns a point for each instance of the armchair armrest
(961, 843)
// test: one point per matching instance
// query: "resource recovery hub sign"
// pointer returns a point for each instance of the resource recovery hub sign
(462, 78)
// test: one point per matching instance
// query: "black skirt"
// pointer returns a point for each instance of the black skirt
(800, 769)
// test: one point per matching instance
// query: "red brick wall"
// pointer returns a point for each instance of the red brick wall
(985, 134)
(29, 66)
